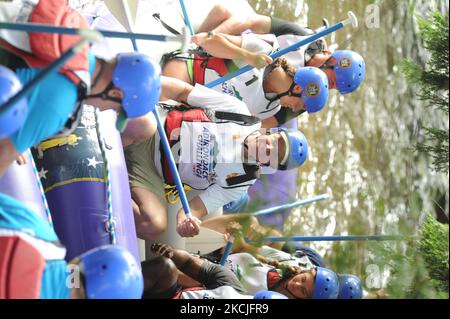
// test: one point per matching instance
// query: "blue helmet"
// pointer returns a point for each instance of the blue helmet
(297, 149)
(350, 70)
(111, 272)
(267, 294)
(139, 78)
(314, 83)
(326, 284)
(11, 119)
(350, 287)
(237, 205)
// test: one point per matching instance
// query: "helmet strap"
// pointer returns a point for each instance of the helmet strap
(289, 92)
(325, 66)
(100, 72)
(104, 94)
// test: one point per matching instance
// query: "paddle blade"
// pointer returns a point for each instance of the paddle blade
(125, 11)
(205, 242)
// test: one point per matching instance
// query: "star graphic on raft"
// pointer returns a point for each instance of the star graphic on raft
(43, 173)
(93, 162)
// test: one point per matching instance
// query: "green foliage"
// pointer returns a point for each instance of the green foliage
(434, 248)
(432, 81)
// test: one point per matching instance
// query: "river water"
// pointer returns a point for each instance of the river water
(361, 145)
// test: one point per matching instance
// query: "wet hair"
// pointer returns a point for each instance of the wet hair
(288, 271)
(284, 64)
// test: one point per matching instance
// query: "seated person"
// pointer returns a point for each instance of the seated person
(32, 262)
(219, 149)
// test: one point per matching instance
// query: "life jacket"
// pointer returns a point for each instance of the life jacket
(21, 268)
(201, 63)
(47, 47)
(172, 127)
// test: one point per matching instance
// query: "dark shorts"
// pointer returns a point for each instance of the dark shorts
(281, 27)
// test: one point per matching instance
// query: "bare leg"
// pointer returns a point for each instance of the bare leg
(139, 129)
(222, 20)
(150, 214)
(177, 69)
(8, 154)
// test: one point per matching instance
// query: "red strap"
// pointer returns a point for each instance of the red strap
(179, 293)
(273, 277)
(201, 63)
(21, 268)
(172, 128)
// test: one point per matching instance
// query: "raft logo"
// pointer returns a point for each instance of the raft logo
(312, 89)
(204, 164)
(345, 63)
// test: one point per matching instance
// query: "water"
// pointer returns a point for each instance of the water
(361, 145)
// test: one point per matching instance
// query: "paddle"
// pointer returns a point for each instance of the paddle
(205, 242)
(274, 239)
(351, 20)
(216, 240)
(34, 27)
(115, 6)
(86, 36)
(186, 17)
(291, 205)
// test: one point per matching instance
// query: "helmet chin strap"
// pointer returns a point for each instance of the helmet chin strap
(290, 92)
(104, 94)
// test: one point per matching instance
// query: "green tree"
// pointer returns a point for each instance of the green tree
(432, 81)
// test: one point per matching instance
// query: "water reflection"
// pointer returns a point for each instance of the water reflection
(361, 145)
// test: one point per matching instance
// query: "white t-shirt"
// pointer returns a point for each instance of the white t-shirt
(208, 152)
(248, 87)
(299, 57)
(223, 292)
(253, 274)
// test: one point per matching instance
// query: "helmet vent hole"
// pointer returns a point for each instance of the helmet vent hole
(328, 279)
(326, 289)
(104, 267)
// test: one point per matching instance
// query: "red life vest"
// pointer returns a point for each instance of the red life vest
(201, 63)
(21, 268)
(47, 47)
(172, 126)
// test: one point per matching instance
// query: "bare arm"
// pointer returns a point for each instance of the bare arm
(175, 89)
(138, 130)
(229, 47)
(189, 227)
(184, 261)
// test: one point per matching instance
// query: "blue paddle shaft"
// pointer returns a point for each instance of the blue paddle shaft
(226, 253)
(186, 17)
(278, 54)
(291, 205)
(169, 156)
(34, 27)
(173, 167)
(336, 238)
